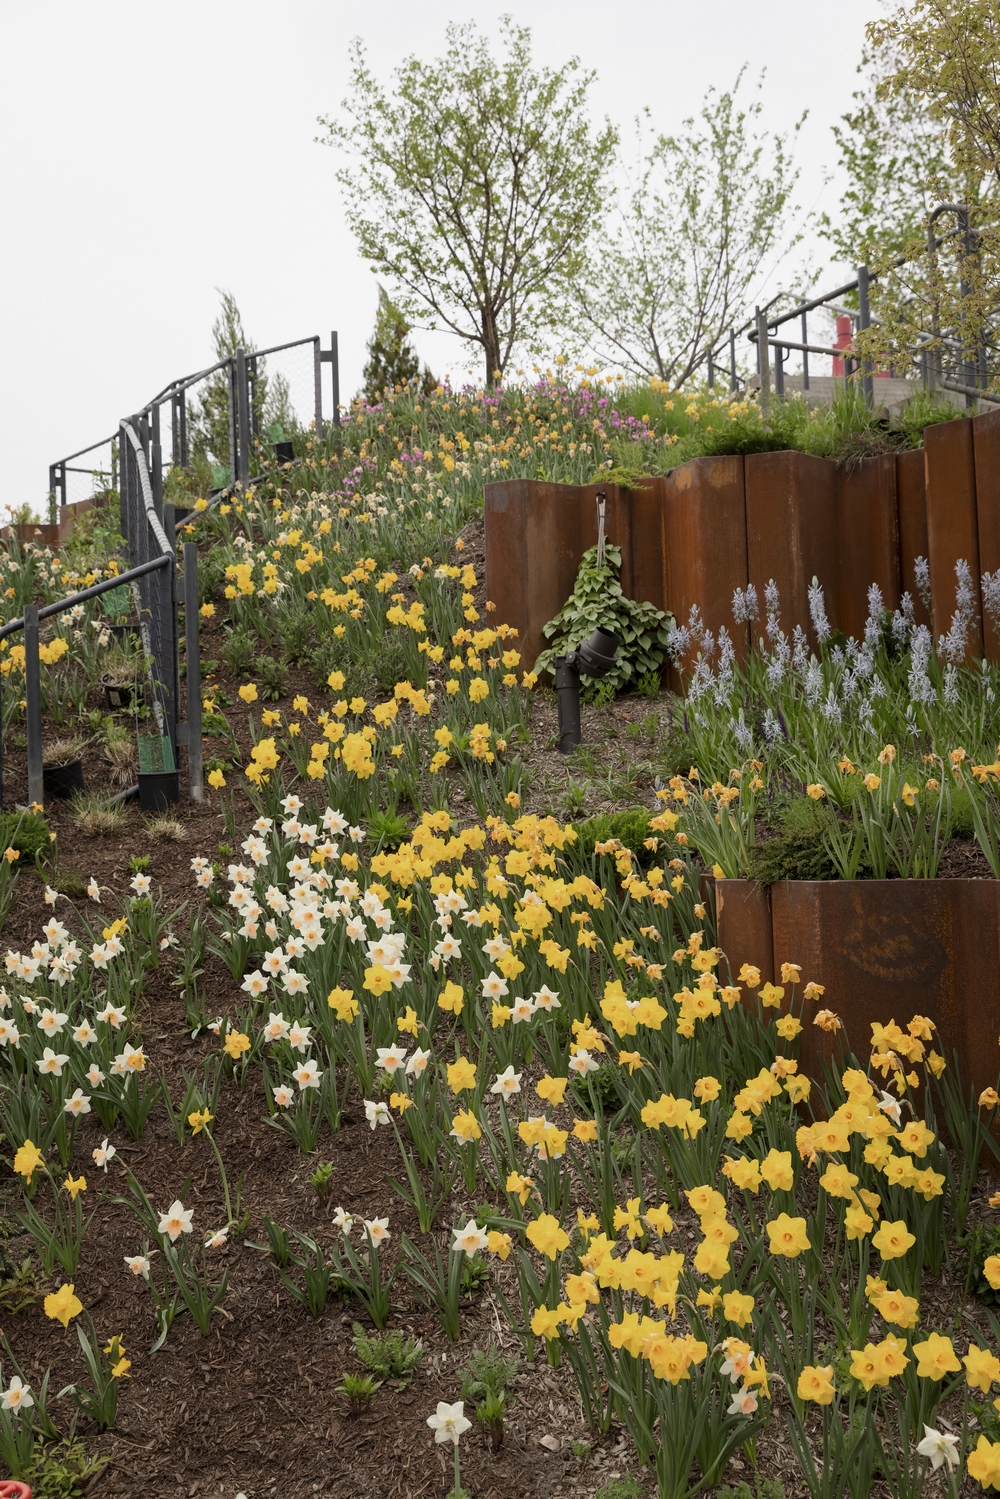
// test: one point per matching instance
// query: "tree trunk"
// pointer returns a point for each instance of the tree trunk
(491, 349)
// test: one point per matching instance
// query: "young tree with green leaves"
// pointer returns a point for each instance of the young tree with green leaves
(946, 53)
(671, 267)
(392, 359)
(472, 185)
(925, 132)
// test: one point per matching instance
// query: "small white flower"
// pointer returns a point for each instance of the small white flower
(298, 1036)
(470, 1239)
(216, 1240)
(392, 1058)
(284, 1096)
(377, 1113)
(17, 1397)
(890, 1106)
(378, 1229)
(449, 1422)
(50, 1063)
(344, 1221)
(141, 884)
(78, 1103)
(494, 987)
(940, 1447)
(138, 1264)
(176, 1221)
(277, 1027)
(94, 891)
(508, 1083)
(104, 1152)
(546, 1000)
(744, 1402)
(583, 1063)
(307, 1075)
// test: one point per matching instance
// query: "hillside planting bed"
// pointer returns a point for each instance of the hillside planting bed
(413, 1043)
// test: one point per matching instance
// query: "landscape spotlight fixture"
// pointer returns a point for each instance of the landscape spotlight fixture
(593, 658)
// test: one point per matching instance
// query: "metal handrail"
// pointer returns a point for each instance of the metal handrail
(764, 320)
(33, 616)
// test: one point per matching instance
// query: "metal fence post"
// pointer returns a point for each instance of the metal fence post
(732, 360)
(231, 383)
(805, 355)
(864, 321)
(318, 388)
(764, 364)
(33, 710)
(335, 372)
(192, 661)
(242, 419)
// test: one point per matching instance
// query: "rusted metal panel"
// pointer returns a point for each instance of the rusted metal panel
(704, 546)
(743, 926)
(891, 949)
(911, 505)
(536, 534)
(868, 539)
(646, 533)
(986, 445)
(952, 527)
(792, 532)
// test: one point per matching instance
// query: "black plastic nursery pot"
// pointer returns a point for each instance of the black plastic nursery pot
(62, 781)
(159, 789)
(116, 696)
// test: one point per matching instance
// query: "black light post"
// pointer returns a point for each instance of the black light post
(594, 658)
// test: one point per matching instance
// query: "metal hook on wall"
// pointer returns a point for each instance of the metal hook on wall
(602, 501)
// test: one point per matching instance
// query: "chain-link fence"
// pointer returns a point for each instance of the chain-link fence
(91, 473)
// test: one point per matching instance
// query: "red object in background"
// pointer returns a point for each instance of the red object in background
(842, 341)
(11, 1488)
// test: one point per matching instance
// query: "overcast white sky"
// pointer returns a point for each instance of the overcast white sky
(153, 153)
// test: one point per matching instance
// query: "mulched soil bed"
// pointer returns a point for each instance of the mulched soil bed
(254, 1408)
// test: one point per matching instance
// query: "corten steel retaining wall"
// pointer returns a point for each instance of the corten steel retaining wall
(715, 524)
(884, 950)
(47, 534)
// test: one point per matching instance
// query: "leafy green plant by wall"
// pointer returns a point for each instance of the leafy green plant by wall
(597, 600)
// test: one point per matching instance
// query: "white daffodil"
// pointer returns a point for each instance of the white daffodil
(583, 1063)
(449, 1422)
(744, 1402)
(344, 1221)
(940, 1446)
(470, 1239)
(17, 1397)
(78, 1103)
(507, 1084)
(307, 1075)
(377, 1113)
(377, 1229)
(392, 1058)
(104, 1152)
(50, 1063)
(138, 1264)
(176, 1221)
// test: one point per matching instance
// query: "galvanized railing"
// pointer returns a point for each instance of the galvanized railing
(151, 579)
(164, 433)
(966, 375)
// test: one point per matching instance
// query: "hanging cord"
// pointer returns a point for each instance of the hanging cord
(602, 501)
